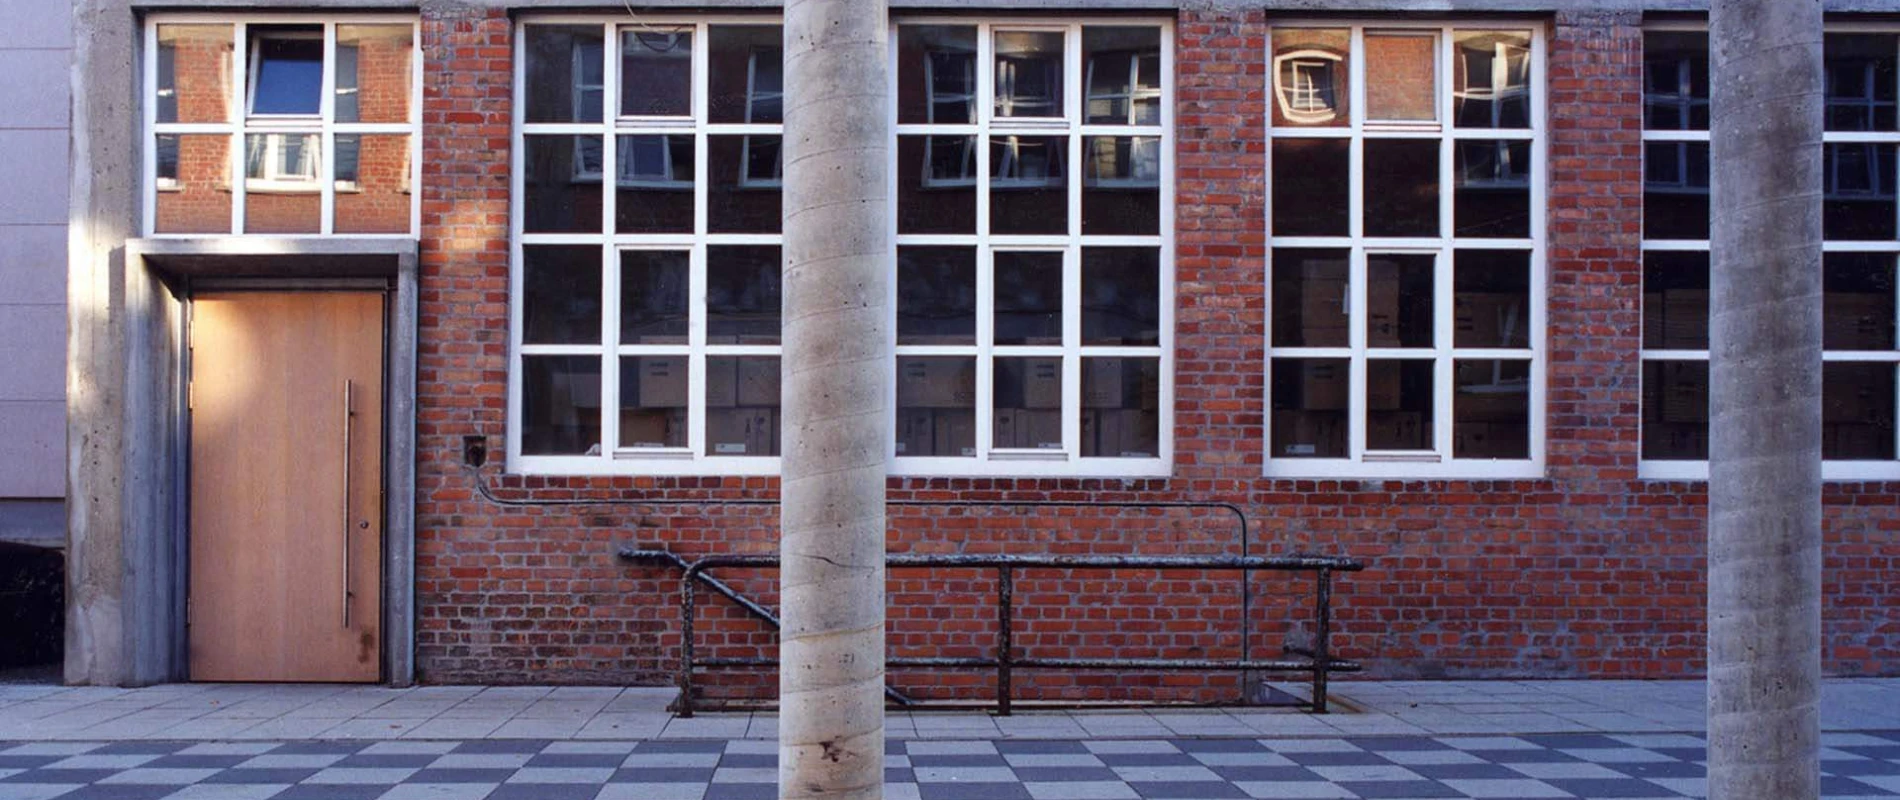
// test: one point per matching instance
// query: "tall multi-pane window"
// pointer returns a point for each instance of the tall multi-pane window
(1405, 281)
(281, 125)
(1860, 224)
(1034, 218)
(647, 259)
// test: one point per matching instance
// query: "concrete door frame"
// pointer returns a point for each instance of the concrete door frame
(127, 582)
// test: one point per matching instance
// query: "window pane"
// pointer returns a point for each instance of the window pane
(1309, 407)
(936, 74)
(373, 72)
(1311, 189)
(286, 69)
(1857, 404)
(1491, 79)
(747, 80)
(1401, 77)
(566, 69)
(1121, 415)
(1028, 407)
(560, 288)
(1310, 83)
(1399, 400)
(372, 183)
(1122, 71)
(742, 294)
(1029, 74)
(1676, 190)
(1399, 303)
(1858, 311)
(1491, 409)
(1858, 191)
(280, 183)
(656, 72)
(653, 300)
(1493, 195)
(653, 401)
(1121, 296)
(197, 196)
(1491, 298)
(936, 406)
(742, 402)
(1676, 410)
(1029, 186)
(743, 184)
(1121, 185)
(936, 184)
(655, 186)
(561, 191)
(1028, 298)
(1676, 81)
(1675, 300)
(560, 405)
(1311, 295)
(1860, 91)
(936, 295)
(1401, 187)
(194, 73)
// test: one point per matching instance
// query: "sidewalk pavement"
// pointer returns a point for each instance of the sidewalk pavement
(1471, 739)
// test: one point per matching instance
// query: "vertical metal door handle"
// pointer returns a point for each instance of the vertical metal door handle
(349, 415)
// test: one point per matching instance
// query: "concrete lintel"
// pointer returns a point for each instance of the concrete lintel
(260, 257)
(39, 523)
(1315, 6)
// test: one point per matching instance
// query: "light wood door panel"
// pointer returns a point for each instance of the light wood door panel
(286, 486)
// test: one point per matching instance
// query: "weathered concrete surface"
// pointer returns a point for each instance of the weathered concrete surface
(1428, 6)
(836, 435)
(1764, 606)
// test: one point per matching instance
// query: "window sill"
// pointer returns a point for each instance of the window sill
(683, 464)
(1831, 471)
(1407, 469)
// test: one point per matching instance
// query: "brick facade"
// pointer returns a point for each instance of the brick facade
(1588, 572)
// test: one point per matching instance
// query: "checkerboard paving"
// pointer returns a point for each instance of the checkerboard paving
(1854, 765)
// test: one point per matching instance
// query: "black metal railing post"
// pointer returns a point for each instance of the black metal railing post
(686, 641)
(1005, 639)
(1323, 633)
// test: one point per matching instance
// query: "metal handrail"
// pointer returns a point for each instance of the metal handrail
(1318, 661)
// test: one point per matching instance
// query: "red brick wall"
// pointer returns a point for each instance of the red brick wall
(1588, 572)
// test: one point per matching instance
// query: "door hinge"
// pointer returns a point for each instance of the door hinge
(188, 610)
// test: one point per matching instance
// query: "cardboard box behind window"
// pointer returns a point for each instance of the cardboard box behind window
(937, 383)
(663, 382)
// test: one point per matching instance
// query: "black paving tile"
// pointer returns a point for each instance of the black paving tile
(1198, 790)
(1060, 774)
(1040, 747)
(730, 791)
(958, 761)
(663, 775)
(501, 746)
(1148, 759)
(122, 791)
(1218, 745)
(60, 776)
(1659, 769)
(140, 748)
(1609, 787)
(1273, 774)
(1439, 772)
(681, 746)
(955, 791)
(1524, 756)
(576, 760)
(1574, 741)
(387, 761)
(319, 748)
(459, 775)
(1383, 744)
(194, 762)
(272, 775)
(1409, 789)
(333, 791)
(1337, 759)
(541, 791)
(749, 760)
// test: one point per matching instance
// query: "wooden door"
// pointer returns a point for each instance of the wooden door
(286, 486)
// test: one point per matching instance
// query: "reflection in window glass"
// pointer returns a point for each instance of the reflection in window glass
(653, 392)
(936, 184)
(286, 70)
(565, 68)
(560, 287)
(1399, 289)
(1676, 410)
(936, 406)
(742, 195)
(1491, 409)
(1676, 190)
(1676, 81)
(374, 72)
(194, 184)
(742, 405)
(1122, 71)
(1401, 77)
(747, 81)
(1493, 195)
(936, 74)
(1311, 295)
(1859, 82)
(742, 294)
(560, 405)
(656, 72)
(653, 300)
(1028, 298)
(1857, 190)
(1029, 191)
(372, 192)
(1310, 77)
(936, 295)
(1121, 185)
(1401, 187)
(1029, 74)
(280, 183)
(1858, 301)
(654, 186)
(1857, 409)
(194, 74)
(1491, 86)
(1310, 397)
(1028, 404)
(1121, 296)
(1311, 187)
(1676, 300)
(1399, 400)
(561, 185)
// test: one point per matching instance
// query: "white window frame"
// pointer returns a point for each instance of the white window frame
(1831, 469)
(610, 458)
(1438, 462)
(1067, 461)
(239, 122)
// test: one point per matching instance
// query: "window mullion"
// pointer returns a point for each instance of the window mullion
(610, 350)
(696, 346)
(1356, 322)
(326, 140)
(985, 405)
(1071, 352)
(1444, 333)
